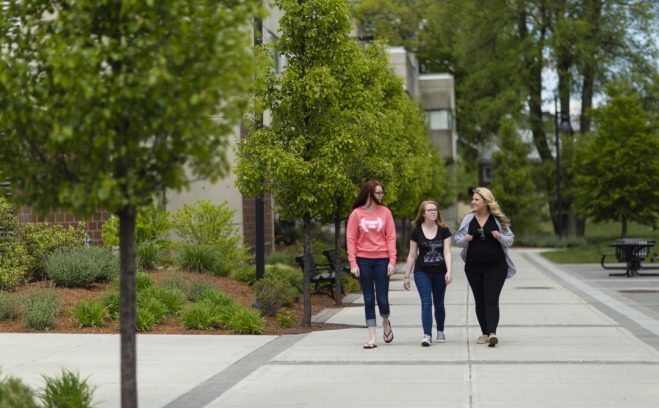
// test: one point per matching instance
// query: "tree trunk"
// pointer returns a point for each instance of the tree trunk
(338, 298)
(624, 227)
(306, 232)
(127, 217)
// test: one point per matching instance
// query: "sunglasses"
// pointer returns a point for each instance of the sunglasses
(482, 234)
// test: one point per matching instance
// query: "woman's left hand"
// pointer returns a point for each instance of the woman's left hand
(390, 270)
(448, 278)
(496, 234)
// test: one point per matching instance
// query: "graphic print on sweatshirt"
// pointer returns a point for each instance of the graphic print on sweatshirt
(376, 224)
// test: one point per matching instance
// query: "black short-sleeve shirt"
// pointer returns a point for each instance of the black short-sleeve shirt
(431, 250)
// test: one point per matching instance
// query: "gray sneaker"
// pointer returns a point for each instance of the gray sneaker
(440, 337)
(427, 340)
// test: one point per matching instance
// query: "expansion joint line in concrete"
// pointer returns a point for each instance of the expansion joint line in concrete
(214, 387)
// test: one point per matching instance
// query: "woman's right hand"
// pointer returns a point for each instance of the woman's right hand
(468, 237)
(406, 283)
(355, 271)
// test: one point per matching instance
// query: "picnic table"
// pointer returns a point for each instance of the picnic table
(631, 251)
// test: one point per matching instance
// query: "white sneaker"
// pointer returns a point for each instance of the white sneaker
(440, 337)
(427, 340)
(482, 339)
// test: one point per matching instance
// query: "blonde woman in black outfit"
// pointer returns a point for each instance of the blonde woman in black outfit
(485, 236)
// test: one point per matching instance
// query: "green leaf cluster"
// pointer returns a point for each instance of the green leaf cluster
(616, 167)
(102, 105)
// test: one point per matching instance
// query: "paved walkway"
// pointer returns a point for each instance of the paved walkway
(570, 336)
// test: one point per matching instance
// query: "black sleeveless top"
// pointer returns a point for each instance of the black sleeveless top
(484, 252)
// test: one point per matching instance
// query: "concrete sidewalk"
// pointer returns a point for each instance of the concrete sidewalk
(569, 336)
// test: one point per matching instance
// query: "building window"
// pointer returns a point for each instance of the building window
(487, 174)
(270, 39)
(440, 119)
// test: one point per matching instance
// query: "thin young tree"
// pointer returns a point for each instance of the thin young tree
(103, 105)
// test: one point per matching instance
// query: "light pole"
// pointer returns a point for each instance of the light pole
(258, 201)
(567, 128)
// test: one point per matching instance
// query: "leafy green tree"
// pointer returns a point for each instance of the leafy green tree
(105, 104)
(335, 122)
(615, 168)
(512, 183)
(315, 118)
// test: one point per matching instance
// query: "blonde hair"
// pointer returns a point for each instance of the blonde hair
(422, 209)
(493, 206)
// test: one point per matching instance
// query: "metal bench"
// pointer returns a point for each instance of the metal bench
(330, 254)
(321, 275)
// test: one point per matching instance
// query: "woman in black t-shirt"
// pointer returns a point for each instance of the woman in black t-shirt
(485, 235)
(430, 256)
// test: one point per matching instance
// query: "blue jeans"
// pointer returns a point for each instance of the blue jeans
(374, 281)
(432, 288)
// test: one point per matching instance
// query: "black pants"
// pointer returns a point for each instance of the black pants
(486, 285)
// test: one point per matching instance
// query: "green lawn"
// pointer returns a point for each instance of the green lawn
(598, 236)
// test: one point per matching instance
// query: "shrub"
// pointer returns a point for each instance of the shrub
(246, 321)
(111, 301)
(148, 255)
(197, 287)
(151, 224)
(145, 319)
(80, 267)
(90, 313)
(8, 223)
(202, 259)
(280, 257)
(148, 302)
(285, 318)
(175, 280)
(215, 297)
(13, 393)
(67, 391)
(39, 308)
(7, 306)
(225, 314)
(200, 316)
(171, 299)
(293, 276)
(205, 223)
(143, 281)
(246, 274)
(14, 266)
(42, 239)
(273, 293)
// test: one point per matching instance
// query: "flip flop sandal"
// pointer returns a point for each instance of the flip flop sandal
(369, 346)
(388, 338)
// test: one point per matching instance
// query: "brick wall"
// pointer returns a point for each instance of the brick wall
(249, 223)
(94, 223)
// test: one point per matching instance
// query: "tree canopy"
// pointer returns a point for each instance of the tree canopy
(105, 104)
(616, 167)
(339, 117)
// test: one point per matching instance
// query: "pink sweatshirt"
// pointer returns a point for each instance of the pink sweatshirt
(371, 234)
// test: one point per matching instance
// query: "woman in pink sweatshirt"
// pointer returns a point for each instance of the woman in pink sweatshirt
(371, 241)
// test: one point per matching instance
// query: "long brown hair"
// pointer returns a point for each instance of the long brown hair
(367, 192)
(422, 210)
